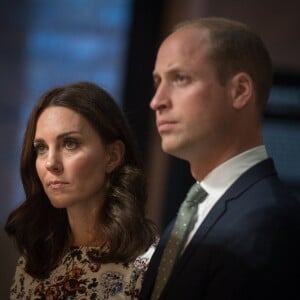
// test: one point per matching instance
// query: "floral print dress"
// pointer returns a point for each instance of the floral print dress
(81, 276)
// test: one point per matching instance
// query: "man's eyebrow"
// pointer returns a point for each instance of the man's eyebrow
(154, 75)
(172, 70)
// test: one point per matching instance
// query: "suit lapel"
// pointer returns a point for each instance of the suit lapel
(250, 177)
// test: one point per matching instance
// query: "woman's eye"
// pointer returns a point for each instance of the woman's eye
(40, 148)
(71, 145)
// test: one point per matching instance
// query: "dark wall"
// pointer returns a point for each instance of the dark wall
(138, 89)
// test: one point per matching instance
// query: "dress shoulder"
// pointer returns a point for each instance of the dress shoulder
(81, 275)
(143, 260)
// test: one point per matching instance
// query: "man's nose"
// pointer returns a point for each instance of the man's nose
(161, 98)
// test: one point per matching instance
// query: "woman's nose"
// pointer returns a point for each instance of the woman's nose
(53, 163)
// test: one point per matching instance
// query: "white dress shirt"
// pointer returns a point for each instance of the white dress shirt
(217, 182)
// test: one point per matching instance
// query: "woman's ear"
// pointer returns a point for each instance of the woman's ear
(115, 154)
(242, 88)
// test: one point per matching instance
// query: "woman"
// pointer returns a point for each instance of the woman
(81, 231)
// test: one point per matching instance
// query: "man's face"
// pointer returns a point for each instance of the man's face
(191, 105)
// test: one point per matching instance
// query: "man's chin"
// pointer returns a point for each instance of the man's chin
(169, 148)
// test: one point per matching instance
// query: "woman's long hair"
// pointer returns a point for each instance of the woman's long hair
(42, 232)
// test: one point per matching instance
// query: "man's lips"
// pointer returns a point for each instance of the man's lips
(165, 125)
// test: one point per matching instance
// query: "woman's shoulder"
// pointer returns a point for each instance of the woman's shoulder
(20, 266)
(143, 260)
(21, 282)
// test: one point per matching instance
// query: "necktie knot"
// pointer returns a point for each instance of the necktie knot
(195, 195)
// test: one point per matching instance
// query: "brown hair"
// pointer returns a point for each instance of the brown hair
(235, 47)
(41, 231)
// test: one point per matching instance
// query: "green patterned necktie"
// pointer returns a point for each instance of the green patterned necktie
(185, 221)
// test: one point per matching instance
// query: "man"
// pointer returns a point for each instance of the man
(213, 78)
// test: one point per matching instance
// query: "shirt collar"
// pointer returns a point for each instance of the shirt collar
(223, 176)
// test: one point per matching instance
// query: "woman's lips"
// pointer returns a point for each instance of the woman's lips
(56, 184)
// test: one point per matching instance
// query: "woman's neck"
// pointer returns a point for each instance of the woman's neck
(85, 228)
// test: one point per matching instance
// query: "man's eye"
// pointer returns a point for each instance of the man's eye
(155, 84)
(180, 78)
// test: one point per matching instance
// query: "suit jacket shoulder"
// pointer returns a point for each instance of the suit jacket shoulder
(249, 241)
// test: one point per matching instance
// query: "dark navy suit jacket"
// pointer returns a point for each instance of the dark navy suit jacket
(248, 246)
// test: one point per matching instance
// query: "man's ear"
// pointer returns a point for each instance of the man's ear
(115, 155)
(242, 89)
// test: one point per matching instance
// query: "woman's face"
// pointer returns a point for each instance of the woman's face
(72, 162)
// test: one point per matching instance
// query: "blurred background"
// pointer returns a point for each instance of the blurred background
(45, 43)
